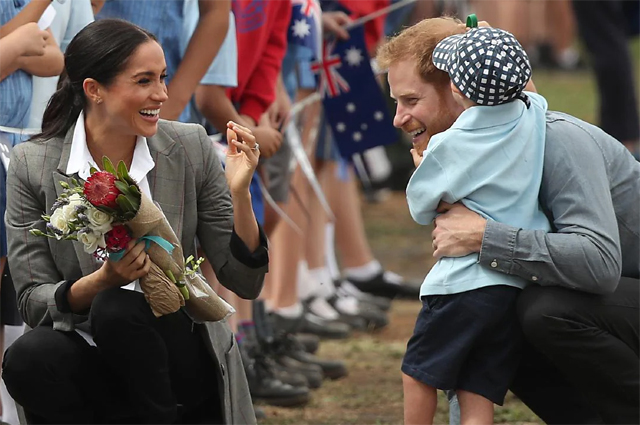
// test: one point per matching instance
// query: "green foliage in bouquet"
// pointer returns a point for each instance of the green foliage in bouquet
(116, 193)
(191, 267)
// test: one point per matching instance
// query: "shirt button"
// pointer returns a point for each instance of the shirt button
(534, 278)
(494, 264)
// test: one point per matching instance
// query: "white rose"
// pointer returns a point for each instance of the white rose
(100, 221)
(91, 241)
(59, 221)
(75, 200)
(69, 212)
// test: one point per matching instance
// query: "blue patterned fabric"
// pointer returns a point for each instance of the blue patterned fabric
(15, 90)
(163, 18)
(15, 103)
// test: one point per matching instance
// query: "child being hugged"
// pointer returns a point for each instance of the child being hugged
(467, 337)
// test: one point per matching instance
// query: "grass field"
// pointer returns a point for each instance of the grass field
(372, 393)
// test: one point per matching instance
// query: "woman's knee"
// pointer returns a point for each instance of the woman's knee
(115, 308)
(35, 358)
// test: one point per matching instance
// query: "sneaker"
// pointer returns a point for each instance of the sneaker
(289, 347)
(312, 373)
(344, 287)
(387, 284)
(372, 317)
(316, 321)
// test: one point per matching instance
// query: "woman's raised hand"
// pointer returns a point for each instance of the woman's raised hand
(242, 157)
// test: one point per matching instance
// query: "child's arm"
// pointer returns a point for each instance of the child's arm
(427, 187)
(201, 51)
(51, 63)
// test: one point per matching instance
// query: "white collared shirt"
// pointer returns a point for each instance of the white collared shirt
(81, 161)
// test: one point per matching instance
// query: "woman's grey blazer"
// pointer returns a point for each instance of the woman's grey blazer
(187, 182)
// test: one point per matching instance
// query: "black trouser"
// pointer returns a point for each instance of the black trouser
(142, 369)
(582, 365)
(602, 27)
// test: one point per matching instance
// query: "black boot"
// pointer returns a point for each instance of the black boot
(286, 348)
(265, 387)
(264, 334)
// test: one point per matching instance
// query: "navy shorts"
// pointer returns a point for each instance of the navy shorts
(468, 341)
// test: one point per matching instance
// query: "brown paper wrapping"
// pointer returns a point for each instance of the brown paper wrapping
(161, 293)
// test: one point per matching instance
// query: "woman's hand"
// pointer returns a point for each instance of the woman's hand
(242, 158)
(135, 264)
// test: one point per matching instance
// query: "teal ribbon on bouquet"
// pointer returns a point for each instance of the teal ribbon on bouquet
(162, 242)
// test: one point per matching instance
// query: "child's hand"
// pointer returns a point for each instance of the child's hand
(417, 158)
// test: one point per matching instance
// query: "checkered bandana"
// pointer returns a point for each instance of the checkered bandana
(487, 65)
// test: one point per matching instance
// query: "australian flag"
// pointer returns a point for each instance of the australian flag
(353, 102)
(306, 25)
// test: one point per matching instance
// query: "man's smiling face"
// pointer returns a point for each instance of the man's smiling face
(423, 109)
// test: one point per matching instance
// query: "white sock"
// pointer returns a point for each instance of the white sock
(304, 281)
(366, 272)
(9, 411)
(324, 283)
(330, 251)
(291, 312)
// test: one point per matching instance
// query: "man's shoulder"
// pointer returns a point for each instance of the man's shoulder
(573, 144)
(565, 131)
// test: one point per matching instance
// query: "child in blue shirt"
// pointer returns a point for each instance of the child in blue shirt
(467, 336)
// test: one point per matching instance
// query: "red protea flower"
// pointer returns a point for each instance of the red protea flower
(100, 189)
(117, 238)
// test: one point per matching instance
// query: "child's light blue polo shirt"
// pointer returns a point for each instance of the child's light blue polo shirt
(490, 159)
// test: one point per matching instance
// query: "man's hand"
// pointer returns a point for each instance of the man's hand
(458, 231)
(334, 22)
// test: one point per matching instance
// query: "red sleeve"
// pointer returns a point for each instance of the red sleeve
(260, 91)
(374, 29)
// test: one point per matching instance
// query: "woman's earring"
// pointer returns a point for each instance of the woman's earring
(99, 100)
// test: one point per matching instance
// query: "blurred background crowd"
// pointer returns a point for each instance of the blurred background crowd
(239, 60)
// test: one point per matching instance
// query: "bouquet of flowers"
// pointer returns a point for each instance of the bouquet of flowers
(108, 211)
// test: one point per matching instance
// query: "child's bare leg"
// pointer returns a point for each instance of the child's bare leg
(420, 402)
(474, 409)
